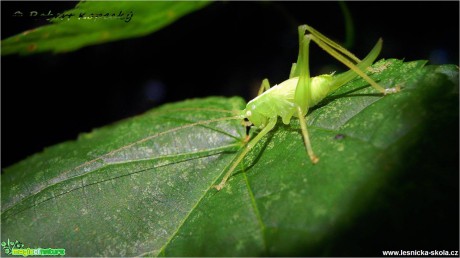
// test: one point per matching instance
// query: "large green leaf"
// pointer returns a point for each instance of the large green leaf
(96, 22)
(143, 186)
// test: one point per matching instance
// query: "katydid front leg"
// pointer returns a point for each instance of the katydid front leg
(271, 124)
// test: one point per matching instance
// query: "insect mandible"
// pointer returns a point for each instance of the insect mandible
(293, 97)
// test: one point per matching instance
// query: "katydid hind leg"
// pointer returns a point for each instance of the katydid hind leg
(306, 138)
(345, 77)
(333, 51)
(295, 72)
(302, 95)
(332, 44)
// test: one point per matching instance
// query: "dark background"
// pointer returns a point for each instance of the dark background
(225, 49)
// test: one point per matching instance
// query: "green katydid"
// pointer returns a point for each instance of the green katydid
(296, 95)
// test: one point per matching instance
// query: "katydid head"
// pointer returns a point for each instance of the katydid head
(254, 116)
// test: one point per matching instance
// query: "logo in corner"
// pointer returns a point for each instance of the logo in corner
(17, 248)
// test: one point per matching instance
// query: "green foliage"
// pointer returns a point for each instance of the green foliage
(69, 33)
(381, 169)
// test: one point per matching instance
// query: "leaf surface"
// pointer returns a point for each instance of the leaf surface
(143, 186)
(96, 22)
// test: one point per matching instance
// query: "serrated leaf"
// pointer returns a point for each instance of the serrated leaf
(96, 22)
(143, 186)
